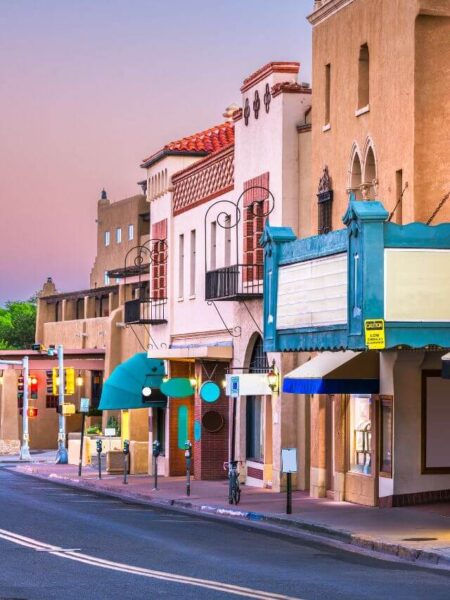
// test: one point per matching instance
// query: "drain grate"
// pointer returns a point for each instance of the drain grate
(419, 539)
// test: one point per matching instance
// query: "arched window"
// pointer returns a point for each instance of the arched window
(370, 173)
(356, 175)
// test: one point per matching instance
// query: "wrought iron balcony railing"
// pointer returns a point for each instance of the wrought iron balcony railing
(237, 282)
(146, 311)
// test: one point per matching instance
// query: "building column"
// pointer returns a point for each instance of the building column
(89, 307)
(339, 407)
(318, 476)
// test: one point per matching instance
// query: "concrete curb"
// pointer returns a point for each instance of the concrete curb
(376, 546)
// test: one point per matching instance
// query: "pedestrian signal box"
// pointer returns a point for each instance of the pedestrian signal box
(32, 412)
(69, 381)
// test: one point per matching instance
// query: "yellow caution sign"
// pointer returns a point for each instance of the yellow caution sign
(374, 334)
(68, 409)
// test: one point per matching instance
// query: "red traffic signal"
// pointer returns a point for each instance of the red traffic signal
(34, 388)
(32, 411)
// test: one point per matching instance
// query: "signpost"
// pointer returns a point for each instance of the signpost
(375, 334)
(84, 408)
(234, 382)
(289, 466)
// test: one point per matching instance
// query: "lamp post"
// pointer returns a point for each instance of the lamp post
(61, 454)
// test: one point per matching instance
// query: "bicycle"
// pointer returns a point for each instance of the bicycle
(234, 491)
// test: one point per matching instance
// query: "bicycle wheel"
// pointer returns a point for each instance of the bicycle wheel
(237, 494)
(231, 490)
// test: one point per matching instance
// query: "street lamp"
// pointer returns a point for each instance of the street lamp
(146, 391)
(273, 378)
(79, 380)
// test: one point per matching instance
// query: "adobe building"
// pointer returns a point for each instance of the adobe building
(375, 253)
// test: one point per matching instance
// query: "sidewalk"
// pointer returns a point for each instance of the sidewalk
(417, 534)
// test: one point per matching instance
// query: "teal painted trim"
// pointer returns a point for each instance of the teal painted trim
(417, 235)
(313, 247)
(309, 341)
(197, 431)
(183, 431)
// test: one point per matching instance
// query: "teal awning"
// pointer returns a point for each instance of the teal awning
(123, 388)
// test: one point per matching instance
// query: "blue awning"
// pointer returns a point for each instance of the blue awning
(336, 373)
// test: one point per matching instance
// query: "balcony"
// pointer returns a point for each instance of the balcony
(147, 311)
(237, 282)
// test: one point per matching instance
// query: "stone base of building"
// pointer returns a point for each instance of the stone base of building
(414, 498)
(9, 447)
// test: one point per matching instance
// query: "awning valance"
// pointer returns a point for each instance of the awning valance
(123, 388)
(335, 373)
(193, 352)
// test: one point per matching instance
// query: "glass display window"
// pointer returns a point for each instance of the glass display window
(360, 431)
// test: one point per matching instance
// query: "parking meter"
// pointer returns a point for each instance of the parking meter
(99, 455)
(126, 452)
(188, 457)
(156, 453)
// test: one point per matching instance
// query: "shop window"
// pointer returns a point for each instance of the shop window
(386, 431)
(360, 434)
(254, 429)
(159, 427)
(130, 232)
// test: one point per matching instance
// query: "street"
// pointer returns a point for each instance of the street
(57, 542)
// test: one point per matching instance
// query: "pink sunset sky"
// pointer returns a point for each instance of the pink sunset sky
(90, 87)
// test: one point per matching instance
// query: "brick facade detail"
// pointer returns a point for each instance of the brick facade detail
(159, 262)
(256, 204)
(203, 181)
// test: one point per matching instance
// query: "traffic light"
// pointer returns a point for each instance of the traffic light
(20, 388)
(32, 412)
(49, 383)
(33, 388)
(69, 381)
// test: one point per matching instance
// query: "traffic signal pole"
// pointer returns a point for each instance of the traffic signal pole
(61, 455)
(25, 446)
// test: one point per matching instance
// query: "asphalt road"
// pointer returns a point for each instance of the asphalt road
(58, 543)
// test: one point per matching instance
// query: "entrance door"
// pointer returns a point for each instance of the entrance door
(181, 428)
(329, 445)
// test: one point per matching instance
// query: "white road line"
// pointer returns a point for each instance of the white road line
(143, 572)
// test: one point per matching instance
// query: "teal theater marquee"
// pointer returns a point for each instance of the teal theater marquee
(327, 291)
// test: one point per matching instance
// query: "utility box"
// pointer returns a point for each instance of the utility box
(114, 461)
(138, 458)
(74, 449)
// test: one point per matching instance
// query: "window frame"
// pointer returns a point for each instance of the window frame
(118, 235)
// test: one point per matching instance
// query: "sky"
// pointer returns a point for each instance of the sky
(88, 88)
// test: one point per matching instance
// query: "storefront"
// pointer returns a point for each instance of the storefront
(367, 308)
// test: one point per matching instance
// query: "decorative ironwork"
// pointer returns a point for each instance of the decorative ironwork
(235, 282)
(267, 98)
(246, 111)
(235, 331)
(325, 200)
(146, 311)
(256, 104)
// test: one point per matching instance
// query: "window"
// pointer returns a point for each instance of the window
(363, 77)
(159, 260)
(386, 427)
(107, 238)
(325, 200)
(360, 431)
(159, 427)
(96, 388)
(213, 242)
(327, 93)
(106, 278)
(181, 266)
(130, 232)
(51, 401)
(192, 265)
(227, 259)
(356, 175)
(256, 205)
(118, 235)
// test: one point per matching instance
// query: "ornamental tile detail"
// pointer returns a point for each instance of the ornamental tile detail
(203, 181)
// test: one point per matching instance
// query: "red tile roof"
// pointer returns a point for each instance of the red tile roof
(202, 143)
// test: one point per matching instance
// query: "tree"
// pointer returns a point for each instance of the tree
(17, 324)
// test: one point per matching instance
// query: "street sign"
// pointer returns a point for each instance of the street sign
(375, 334)
(289, 460)
(68, 409)
(84, 405)
(234, 380)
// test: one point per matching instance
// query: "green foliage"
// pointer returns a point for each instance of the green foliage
(113, 423)
(93, 430)
(17, 324)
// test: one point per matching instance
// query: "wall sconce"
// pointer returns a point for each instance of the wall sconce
(194, 382)
(224, 383)
(79, 381)
(273, 378)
